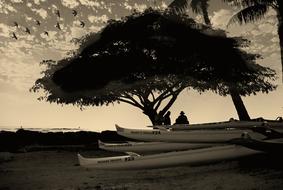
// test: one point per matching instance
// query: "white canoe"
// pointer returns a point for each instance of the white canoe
(273, 124)
(187, 157)
(142, 147)
(187, 136)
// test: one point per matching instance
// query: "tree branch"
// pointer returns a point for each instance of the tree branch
(136, 104)
(140, 98)
(153, 97)
(173, 94)
(161, 96)
(127, 96)
(158, 104)
(169, 104)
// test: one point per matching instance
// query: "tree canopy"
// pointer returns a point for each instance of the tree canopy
(132, 59)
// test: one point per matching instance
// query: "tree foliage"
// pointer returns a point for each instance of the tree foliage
(132, 59)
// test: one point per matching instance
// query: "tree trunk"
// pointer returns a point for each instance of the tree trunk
(152, 119)
(280, 31)
(153, 116)
(239, 105)
(205, 12)
(237, 100)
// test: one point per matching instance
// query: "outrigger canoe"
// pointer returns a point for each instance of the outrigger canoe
(187, 136)
(143, 147)
(276, 125)
(177, 158)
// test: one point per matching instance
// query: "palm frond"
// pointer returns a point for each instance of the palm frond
(196, 6)
(248, 3)
(249, 14)
(179, 5)
(237, 3)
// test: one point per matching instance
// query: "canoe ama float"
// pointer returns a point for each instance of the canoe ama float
(177, 158)
(142, 147)
(268, 145)
(187, 136)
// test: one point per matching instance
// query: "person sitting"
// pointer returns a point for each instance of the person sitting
(279, 119)
(182, 119)
(167, 120)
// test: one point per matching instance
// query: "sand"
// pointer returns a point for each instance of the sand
(59, 170)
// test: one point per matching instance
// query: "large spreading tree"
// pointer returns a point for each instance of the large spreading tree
(146, 60)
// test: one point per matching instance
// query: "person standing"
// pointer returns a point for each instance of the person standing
(167, 120)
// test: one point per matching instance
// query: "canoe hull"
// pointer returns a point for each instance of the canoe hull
(188, 136)
(170, 159)
(275, 125)
(143, 147)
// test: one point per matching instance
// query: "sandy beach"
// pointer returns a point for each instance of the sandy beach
(59, 170)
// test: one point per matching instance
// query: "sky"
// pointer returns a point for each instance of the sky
(20, 64)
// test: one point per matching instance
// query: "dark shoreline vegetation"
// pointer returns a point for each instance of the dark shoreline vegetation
(25, 141)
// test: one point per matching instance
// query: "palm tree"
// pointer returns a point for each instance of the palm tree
(201, 6)
(198, 6)
(255, 10)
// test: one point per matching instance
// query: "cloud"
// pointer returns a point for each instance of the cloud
(140, 7)
(95, 28)
(6, 8)
(37, 2)
(54, 7)
(90, 3)
(264, 26)
(137, 7)
(262, 34)
(163, 5)
(29, 4)
(41, 12)
(18, 48)
(255, 32)
(98, 19)
(127, 6)
(267, 27)
(19, 70)
(76, 30)
(51, 35)
(220, 18)
(160, 5)
(17, 1)
(275, 39)
(4, 30)
(19, 64)
(70, 3)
